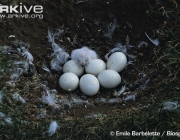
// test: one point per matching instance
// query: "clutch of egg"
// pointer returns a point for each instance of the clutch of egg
(96, 74)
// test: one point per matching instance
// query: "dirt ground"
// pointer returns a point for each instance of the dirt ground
(88, 22)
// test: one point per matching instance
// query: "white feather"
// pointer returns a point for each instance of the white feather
(118, 47)
(76, 100)
(49, 98)
(55, 65)
(2, 115)
(52, 37)
(131, 57)
(17, 97)
(8, 120)
(56, 51)
(44, 67)
(28, 56)
(113, 100)
(6, 49)
(18, 50)
(111, 51)
(18, 62)
(154, 41)
(142, 43)
(170, 105)
(130, 98)
(60, 56)
(101, 100)
(123, 88)
(16, 73)
(143, 86)
(52, 128)
(26, 65)
(121, 47)
(130, 63)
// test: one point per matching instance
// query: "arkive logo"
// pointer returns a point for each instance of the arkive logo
(36, 9)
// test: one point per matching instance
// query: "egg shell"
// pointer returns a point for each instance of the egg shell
(109, 78)
(69, 81)
(89, 84)
(117, 61)
(95, 66)
(74, 67)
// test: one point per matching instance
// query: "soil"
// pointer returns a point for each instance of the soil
(87, 22)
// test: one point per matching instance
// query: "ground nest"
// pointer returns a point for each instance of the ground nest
(100, 25)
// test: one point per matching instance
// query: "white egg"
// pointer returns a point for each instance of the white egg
(109, 78)
(74, 67)
(95, 66)
(69, 81)
(89, 84)
(117, 61)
